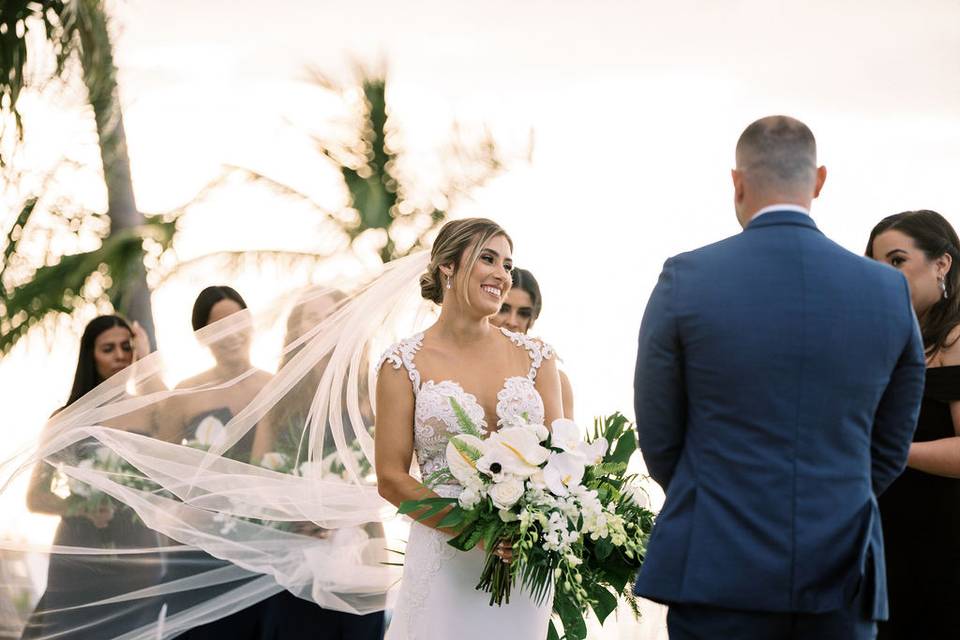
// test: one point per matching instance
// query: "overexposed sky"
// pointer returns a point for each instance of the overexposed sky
(635, 108)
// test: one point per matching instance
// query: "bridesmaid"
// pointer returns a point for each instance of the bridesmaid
(519, 311)
(108, 346)
(179, 420)
(921, 509)
(287, 617)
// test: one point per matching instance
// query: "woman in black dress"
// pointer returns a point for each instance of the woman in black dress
(921, 509)
(283, 615)
(108, 345)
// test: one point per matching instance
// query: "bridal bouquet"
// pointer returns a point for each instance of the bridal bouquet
(577, 522)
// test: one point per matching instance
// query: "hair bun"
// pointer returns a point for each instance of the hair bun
(430, 287)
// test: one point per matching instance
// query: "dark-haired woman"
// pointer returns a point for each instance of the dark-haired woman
(921, 509)
(520, 309)
(108, 346)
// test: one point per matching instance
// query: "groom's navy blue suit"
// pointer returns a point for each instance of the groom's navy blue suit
(777, 387)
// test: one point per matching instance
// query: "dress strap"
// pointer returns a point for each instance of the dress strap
(537, 349)
(401, 355)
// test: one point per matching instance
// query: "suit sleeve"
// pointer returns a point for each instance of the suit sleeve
(659, 394)
(896, 417)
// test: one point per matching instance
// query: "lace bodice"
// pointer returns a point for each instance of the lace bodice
(434, 419)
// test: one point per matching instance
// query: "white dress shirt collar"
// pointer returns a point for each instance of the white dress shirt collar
(780, 207)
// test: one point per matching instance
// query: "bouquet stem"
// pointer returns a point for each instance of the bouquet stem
(497, 579)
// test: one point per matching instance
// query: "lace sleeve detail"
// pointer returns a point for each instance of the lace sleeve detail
(401, 355)
(537, 349)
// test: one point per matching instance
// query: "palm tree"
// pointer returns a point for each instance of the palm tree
(73, 31)
(380, 196)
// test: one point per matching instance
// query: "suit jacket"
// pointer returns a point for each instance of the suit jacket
(778, 384)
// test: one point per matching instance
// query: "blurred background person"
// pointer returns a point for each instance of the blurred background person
(108, 346)
(921, 509)
(520, 311)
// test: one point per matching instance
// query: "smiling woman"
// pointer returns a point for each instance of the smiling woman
(461, 363)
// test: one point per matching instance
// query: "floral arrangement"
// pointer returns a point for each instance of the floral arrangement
(578, 523)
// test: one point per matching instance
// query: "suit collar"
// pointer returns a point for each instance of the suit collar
(774, 218)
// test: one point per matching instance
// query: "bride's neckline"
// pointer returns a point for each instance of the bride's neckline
(520, 340)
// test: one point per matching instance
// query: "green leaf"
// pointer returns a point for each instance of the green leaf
(453, 519)
(431, 506)
(466, 424)
(603, 548)
(552, 632)
(626, 445)
(468, 450)
(604, 603)
(574, 626)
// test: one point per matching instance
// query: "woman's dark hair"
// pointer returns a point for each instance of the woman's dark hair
(524, 280)
(209, 297)
(935, 237)
(86, 377)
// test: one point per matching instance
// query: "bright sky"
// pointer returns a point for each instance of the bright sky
(635, 108)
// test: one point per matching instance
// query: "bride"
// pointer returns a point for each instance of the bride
(494, 375)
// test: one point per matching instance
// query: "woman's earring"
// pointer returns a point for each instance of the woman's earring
(943, 286)
(449, 278)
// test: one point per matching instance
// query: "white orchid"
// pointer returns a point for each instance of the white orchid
(594, 451)
(568, 436)
(514, 450)
(210, 432)
(507, 493)
(563, 470)
(462, 457)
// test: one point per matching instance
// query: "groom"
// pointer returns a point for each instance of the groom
(777, 389)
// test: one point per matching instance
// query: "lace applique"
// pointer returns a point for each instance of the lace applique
(401, 354)
(435, 423)
(538, 350)
(417, 582)
(518, 398)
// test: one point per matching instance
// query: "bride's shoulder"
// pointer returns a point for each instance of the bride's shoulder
(400, 354)
(536, 348)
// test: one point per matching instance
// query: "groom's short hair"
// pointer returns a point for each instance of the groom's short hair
(778, 150)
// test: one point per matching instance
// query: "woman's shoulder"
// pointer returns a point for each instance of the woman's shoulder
(400, 353)
(949, 354)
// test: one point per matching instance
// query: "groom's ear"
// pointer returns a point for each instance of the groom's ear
(821, 178)
(738, 190)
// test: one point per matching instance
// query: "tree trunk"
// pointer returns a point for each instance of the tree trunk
(100, 78)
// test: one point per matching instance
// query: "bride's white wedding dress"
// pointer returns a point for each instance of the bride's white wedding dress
(438, 596)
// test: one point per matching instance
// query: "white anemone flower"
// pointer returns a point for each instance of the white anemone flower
(517, 450)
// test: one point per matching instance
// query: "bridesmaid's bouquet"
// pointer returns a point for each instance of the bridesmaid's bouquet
(577, 521)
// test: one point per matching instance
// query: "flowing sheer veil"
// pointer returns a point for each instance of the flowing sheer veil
(228, 486)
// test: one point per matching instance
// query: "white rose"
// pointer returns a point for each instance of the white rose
(563, 470)
(462, 465)
(506, 494)
(210, 432)
(273, 461)
(469, 498)
(539, 430)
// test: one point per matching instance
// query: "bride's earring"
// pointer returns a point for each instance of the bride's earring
(943, 286)
(449, 279)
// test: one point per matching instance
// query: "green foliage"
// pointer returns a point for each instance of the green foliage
(61, 287)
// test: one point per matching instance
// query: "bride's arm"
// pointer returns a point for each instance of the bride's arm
(394, 443)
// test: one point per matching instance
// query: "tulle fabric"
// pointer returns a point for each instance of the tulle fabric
(231, 484)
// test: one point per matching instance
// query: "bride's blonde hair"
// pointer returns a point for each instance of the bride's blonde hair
(451, 246)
